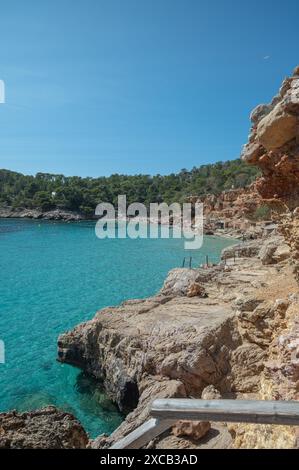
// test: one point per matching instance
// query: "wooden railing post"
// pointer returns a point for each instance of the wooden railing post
(144, 434)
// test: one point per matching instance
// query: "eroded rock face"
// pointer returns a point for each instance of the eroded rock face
(183, 338)
(277, 128)
(289, 227)
(273, 144)
(232, 204)
(273, 324)
(274, 250)
(279, 333)
(190, 282)
(271, 250)
(150, 387)
(48, 428)
(231, 212)
(248, 250)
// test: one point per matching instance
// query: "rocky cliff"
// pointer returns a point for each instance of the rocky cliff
(233, 204)
(273, 144)
(274, 147)
(233, 212)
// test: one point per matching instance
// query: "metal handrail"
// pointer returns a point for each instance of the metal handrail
(165, 412)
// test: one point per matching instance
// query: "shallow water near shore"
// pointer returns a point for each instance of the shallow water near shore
(56, 275)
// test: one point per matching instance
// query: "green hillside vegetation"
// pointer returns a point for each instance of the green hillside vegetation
(46, 191)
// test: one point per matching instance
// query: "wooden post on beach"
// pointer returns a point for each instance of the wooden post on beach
(207, 261)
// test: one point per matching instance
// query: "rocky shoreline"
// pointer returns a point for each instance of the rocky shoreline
(35, 214)
(196, 337)
(207, 333)
(230, 330)
(216, 223)
(48, 428)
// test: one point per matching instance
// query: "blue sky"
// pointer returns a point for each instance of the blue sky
(95, 87)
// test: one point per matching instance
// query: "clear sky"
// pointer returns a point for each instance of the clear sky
(95, 87)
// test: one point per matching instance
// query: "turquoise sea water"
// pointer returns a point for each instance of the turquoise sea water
(54, 276)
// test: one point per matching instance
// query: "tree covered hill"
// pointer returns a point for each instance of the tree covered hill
(46, 191)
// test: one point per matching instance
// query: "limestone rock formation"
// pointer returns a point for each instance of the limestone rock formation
(289, 227)
(231, 212)
(249, 250)
(185, 282)
(48, 428)
(273, 144)
(150, 387)
(153, 336)
(273, 325)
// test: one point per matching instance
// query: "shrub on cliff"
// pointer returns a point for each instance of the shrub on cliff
(262, 213)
